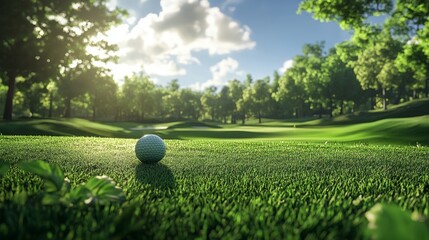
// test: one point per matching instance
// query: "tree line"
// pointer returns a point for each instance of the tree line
(46, 70)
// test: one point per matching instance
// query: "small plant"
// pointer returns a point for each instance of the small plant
(99, 189)
(390, 222)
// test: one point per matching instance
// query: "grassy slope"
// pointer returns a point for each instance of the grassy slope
(62, 127)
(402, 131)
(414, 108)
(230, 189)
(401, 124)
(418, 107)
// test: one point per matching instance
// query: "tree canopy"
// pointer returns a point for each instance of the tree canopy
(47, 68)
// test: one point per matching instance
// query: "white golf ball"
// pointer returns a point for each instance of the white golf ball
(150, 148)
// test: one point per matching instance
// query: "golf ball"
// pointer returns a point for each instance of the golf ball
(150, 148)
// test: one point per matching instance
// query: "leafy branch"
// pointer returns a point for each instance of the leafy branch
(100, 189)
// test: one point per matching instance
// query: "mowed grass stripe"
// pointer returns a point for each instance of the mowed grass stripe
(230, 189)
(398, 131)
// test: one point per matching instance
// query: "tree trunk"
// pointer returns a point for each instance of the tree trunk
(94, 107)
(243, 119)
(331, 106)
(67, 113)
(384, 98)
(320, 110)
(93, 112)
(426, 87)
(296, 113)
(342, 107)
(260, 117)
(51, 99)
(8, 108)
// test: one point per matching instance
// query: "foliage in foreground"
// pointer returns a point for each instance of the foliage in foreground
(390, 222)
(100, 189)
(215, 189)
(57, 194)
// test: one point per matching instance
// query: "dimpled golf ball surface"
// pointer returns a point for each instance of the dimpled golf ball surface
(150, 148)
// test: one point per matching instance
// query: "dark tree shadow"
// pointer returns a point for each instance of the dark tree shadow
(158, 175)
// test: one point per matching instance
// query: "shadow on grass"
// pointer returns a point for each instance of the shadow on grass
(413, 108)
(157, 175)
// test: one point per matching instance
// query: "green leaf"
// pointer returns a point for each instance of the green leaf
(4, 167)
(391, 222)
(103, 190)
(50, 198)
(81, 193)
(51, 173)
(20, 198)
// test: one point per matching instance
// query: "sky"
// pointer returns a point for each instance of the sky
(205, 43)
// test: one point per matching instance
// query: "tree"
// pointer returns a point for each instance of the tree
(274, 106)
(346, 13)
(375, 67)
(226, 104)
(413, 59)
(410, 17)
(46, 37)
(209, 101)
(74, 83)
(191, 104)
(261, 97)
(139, 93)
(158, 103)
(291, 94)
(407, 19)
(309, 74)
(19, 46)
(348, 51)
(34, 95)
(341, 81)
(249, 80)
(103, 94)
(173, 85)
(235, 93)
(245, 103)
(172, 104)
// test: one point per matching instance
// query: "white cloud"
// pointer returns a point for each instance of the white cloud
(162, 43)
(131, 19)
(119, 71)
(220, 71)
(231, 9)
(228, 3)
(163, 68)
(286, 65)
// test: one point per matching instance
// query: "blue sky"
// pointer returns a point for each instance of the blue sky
(208, 42)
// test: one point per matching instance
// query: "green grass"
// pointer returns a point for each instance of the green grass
(403, 124)
(207, 188)
(307, 179)
(62, 127)
(398, 131)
